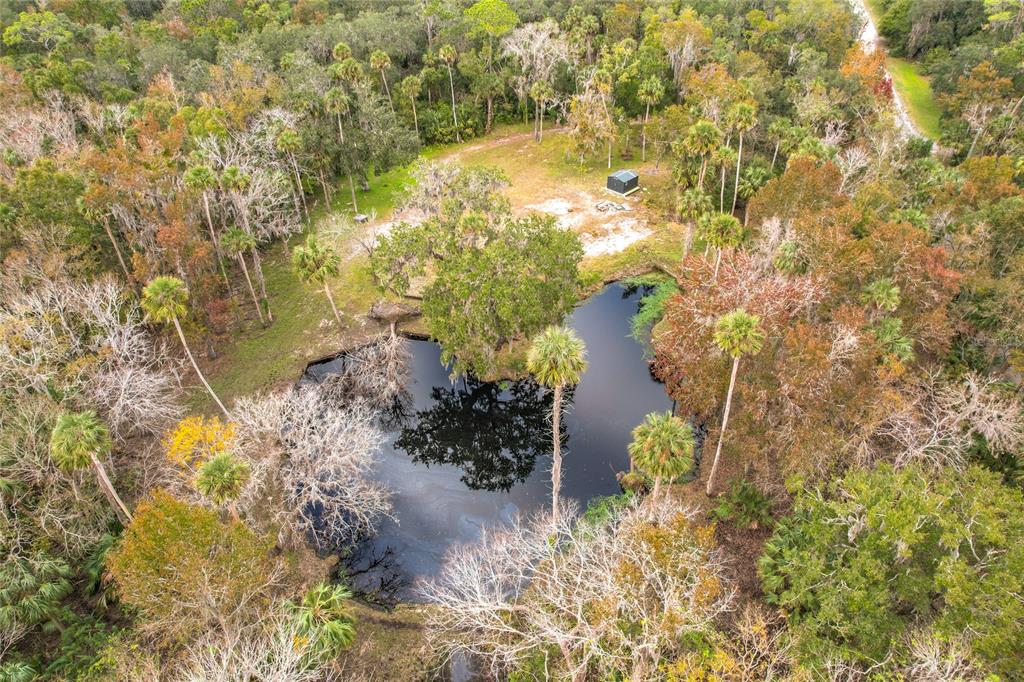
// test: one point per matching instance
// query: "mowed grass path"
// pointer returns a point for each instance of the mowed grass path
(913, 87)
(916, 91)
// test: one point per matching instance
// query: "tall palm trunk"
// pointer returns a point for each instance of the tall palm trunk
(330, 297)
(775, 154)
(216, 242)
(384, 80)
(352, 190)
(657, 487)
(703, 170)
(265, 300)
(188, 352)
(643, 133)
(721, 195)
(415, 118)
(298, 186)
(252, 291)
(455, 117)
(725, 421)
(736, 183)
(117, 249)
(108, 489)
(556, 451)
(537, 120)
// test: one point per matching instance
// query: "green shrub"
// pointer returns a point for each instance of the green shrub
(601, 509)
(883, 551)
(744, 505)
(652, 304)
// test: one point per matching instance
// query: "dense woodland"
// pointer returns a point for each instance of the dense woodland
(839, 313)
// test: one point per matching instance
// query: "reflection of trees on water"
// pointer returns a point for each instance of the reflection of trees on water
(397, 414)
(493, 434)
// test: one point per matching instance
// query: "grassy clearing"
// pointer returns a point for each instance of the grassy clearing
(255, 358)
(916, 91)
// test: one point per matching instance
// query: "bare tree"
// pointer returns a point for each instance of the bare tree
(89, 339)
(538, 48)
(761, 647)
(270, 650)
(935, 658)
(27, 129)
(937, 419)
(544, 585)
(376, 373)
(319, 459)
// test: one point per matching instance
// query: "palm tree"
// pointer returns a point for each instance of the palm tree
(350, 70)
(725, 156)
(32, 590)
(701, 139)
(690, 205)
(650, 93)
(722, 231)
(662, 447)
(541, 92)
(411, 87)
(743, 117)
(778, 130)
(236, 181)
(737, 334)
(323, 618)
(289, 142)
(754, 178)
(381, 62)
(341, 52)
(314, 264)
(889, 333)
(221, 479)
(80, 439)
(337, 102)
(883, 295)
(448, 55)
(97, 214)
(557, 359)
(165, 300)
(789, 258)
(236, 241)
(201, 179)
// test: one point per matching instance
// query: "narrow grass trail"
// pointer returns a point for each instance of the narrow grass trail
(917, 112)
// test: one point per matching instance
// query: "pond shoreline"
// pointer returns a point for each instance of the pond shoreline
(468, 454)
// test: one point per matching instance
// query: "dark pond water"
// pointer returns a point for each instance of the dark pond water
(474, 454)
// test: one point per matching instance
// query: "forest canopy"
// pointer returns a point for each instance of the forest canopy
(200, 198)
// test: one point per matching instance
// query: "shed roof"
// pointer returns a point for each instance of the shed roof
(624, 175)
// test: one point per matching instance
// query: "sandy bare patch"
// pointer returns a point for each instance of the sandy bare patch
(374, 230)
(602, 232)
(618, 235)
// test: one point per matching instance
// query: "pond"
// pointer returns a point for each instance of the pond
(464, 456)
